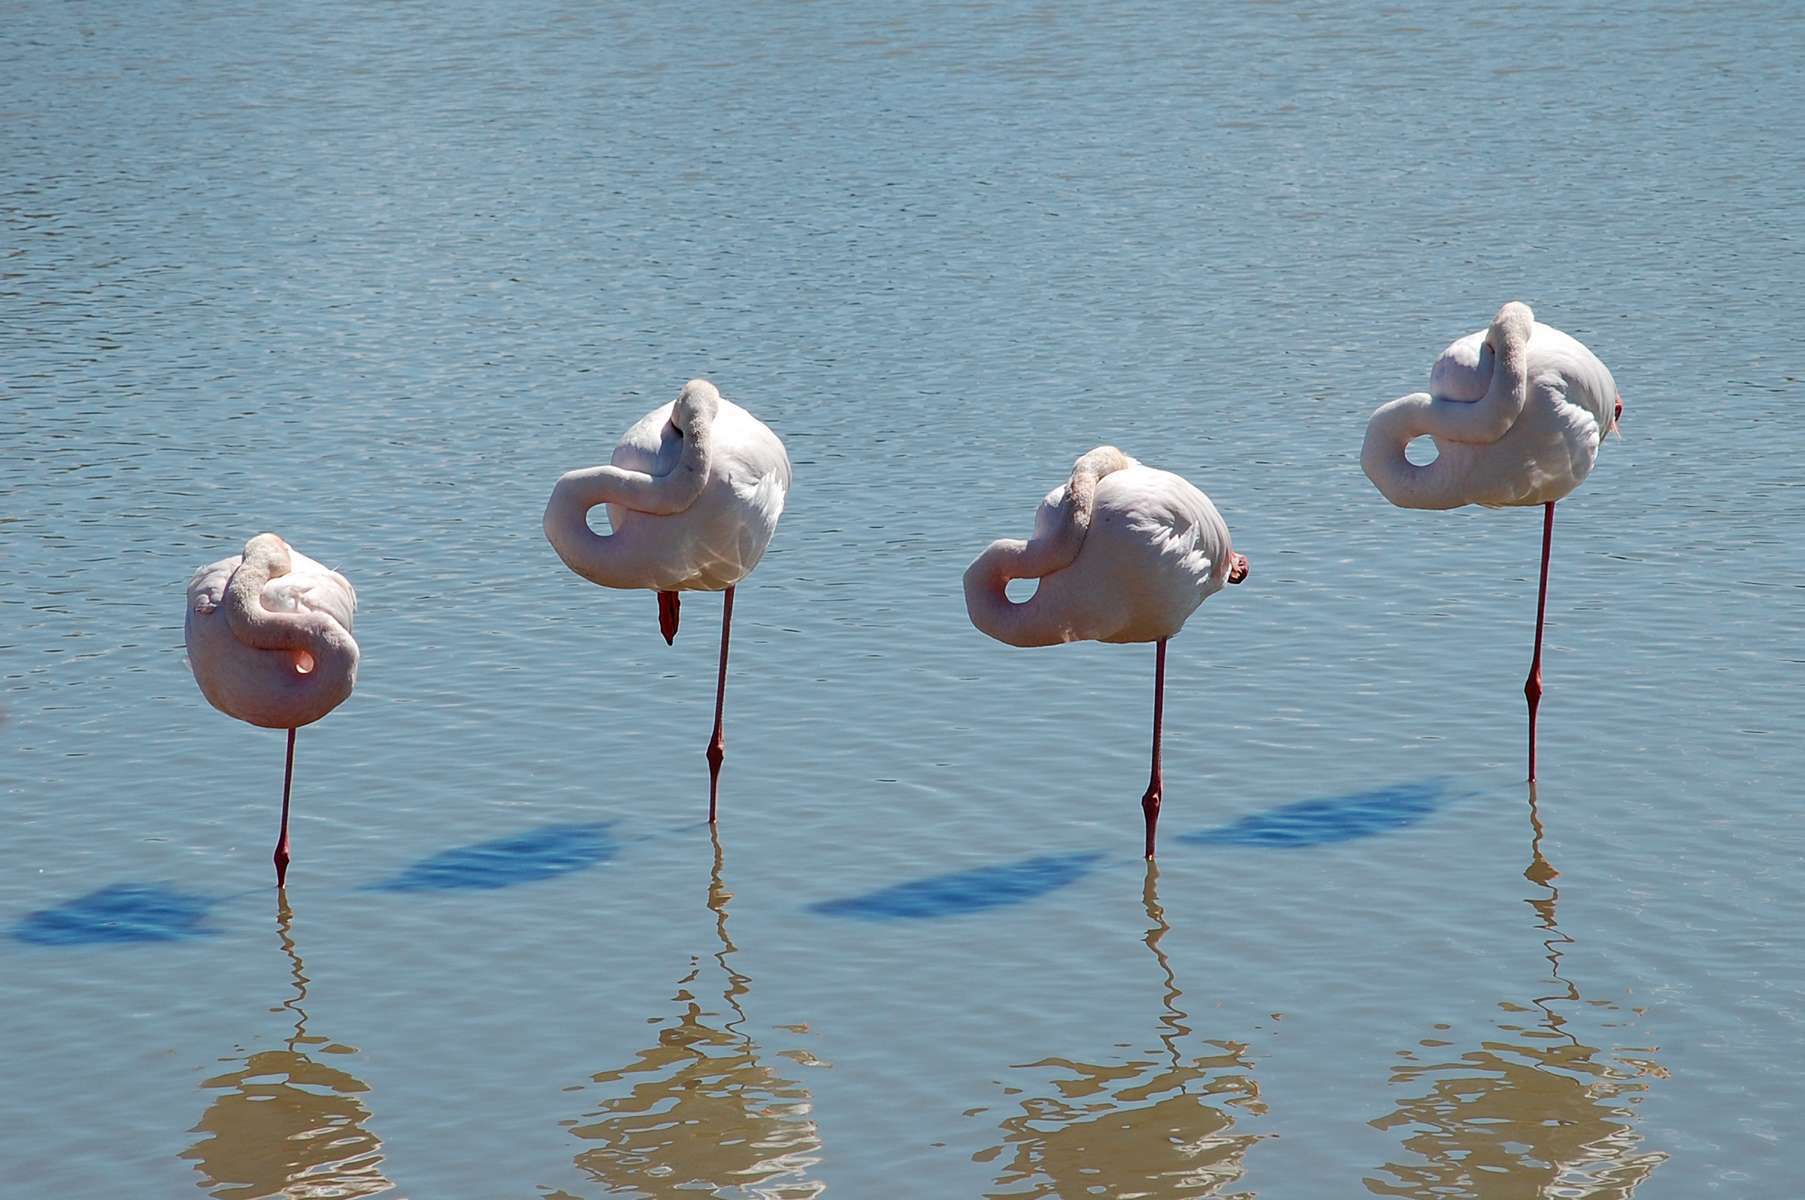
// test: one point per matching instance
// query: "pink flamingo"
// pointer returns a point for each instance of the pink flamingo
(693, 491)
(269, 641)
(1517, 412)
(1123, 553)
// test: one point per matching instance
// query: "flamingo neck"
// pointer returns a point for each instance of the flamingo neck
(311, 638)
(987, 601)
(1459, 428)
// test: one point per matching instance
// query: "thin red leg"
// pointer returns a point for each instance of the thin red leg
(667, 616)
(717, 745)
(1532, 687)
(1150, 802)
(288, 778)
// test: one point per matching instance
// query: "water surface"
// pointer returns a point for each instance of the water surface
(373, 277)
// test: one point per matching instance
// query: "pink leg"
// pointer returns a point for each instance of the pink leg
(1150, 802)
(1532, 687)
(667, 616)
(717, 746)
(288, 778)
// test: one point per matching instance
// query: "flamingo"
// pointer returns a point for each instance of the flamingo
(693, 494)
(1123, 553)
(269, 641)
(1517, 412)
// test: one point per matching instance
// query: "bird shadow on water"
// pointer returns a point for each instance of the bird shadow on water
(1305, 823)
(965, 891)
(538, 854)
(119, 914)
(1333, 819)
(147, 913)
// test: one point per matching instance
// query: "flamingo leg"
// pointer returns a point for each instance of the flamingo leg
(288, 778)
(1532, 687)
(717, 746)
(1150, 802)
(667, 616)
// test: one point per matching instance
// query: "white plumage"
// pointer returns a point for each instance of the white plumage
(694, 491)
(1525, 434)
(1122, 553)
(1517, 412)
(269, 640)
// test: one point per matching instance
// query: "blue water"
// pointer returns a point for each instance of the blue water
(373, 277)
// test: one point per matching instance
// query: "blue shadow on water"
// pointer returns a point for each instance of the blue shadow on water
(124, 912)
(1333, 819)
(964, 891)
(525, 858)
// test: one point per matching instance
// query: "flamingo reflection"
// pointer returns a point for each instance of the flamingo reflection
(1161, 1126)
(285, 1124)
(1533, 1112)
(701, 1112)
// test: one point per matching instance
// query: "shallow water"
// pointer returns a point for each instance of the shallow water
(372, 277)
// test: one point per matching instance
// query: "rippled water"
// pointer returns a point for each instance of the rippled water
(373, 276)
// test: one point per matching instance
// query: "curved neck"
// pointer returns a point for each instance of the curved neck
(612, 560)
(1433, 485)
(1032, 623)
(266, 557)
(987, 600)
(1059, 547)
(617, 559)
(1452, 423)
(1489, 418)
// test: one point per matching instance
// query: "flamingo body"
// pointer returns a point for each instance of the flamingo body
(271, 644)
(1517, 412)
(1154, 550)
(269, 640)
(1491, 447)
(1122, 553)
(693, 491)
(670, 532)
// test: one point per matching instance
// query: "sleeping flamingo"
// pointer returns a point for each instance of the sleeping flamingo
(693, 494)
(1123, 553)
(1516, 412)
(269, 640)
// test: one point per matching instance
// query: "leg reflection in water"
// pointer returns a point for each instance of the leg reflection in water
(1160, 1126)
(700, 1112)
(1534, 1111)
(284, 1123)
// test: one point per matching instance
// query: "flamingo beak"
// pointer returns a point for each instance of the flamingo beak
(1237, 570)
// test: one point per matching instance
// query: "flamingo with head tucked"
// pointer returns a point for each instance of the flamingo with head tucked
(693, 491)
(269, 641)
(1123, 553)
(1517, 412)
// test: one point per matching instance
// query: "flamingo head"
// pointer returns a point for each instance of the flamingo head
(1617, 416)
(269, 550)
(1237, 568)
(696, 405)
(1514, 323)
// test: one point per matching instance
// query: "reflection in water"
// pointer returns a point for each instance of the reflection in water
(284, 1124)
(699, 1113)
(1535, 1112)
(1146, 1127)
